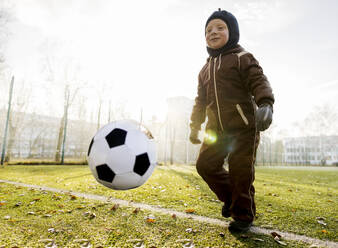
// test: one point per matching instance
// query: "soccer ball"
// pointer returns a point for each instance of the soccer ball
(122, 155)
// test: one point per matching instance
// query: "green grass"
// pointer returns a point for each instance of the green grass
(34, 218)
(287, 199)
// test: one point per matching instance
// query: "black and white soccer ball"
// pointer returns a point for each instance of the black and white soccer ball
(122, 155)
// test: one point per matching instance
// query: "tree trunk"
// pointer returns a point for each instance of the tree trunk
(11, 139)
(172, 145)
(58, 146)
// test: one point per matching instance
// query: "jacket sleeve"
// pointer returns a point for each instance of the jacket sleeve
(198, 111)
(255, 80)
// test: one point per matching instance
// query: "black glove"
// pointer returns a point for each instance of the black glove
(263, 117)
(194, 137)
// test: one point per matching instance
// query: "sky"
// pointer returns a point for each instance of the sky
(142, 52)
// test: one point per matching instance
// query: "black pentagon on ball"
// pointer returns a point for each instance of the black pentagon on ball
(142, 164)
(104, 173)
(90, 146)
(117, 137)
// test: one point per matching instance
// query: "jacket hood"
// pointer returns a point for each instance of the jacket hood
(232, 24)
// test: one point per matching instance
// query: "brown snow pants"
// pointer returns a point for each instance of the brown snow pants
(234, 187)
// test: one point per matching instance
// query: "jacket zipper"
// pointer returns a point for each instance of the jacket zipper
(241, 113)
(218, 110)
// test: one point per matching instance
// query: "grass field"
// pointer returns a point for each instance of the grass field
(301, 200)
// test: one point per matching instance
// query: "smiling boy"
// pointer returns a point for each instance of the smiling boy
(237, 98)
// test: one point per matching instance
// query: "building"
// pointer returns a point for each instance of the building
(36, 136)
(316, 150)
(176, 143)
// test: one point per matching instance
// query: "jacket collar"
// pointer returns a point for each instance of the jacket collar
(216, 52)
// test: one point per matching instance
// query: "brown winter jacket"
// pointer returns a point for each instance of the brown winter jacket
(229, 89)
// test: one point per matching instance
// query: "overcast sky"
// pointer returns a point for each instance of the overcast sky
(146, 51)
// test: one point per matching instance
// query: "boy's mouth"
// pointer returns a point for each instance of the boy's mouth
(214, 39)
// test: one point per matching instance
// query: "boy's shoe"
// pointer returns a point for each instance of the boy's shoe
(239, 226)
(226, 211)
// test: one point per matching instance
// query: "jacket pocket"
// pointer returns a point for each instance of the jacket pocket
(238, 116)
(241, 113)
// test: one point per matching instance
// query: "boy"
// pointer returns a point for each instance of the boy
(231, 86)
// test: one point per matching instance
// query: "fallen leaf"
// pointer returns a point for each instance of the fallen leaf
(115, 207)
(276, 235)
(324, 231)
(50, 243)
(136, 210)
(173, 216)
(190, 211)
(73, 197)
(257, 239)
(321, 222)
(92, 216)
(281, 242)
(2, 203)
(187, 243)
(150, 219)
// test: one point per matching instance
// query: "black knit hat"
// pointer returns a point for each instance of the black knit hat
(232, 24)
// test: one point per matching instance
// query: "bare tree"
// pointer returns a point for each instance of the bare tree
(6, 17)
(62, 71)
(38, 132)
(22, 95)
(68, 100)
(323, 120)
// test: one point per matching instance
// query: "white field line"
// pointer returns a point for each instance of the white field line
(257, 230)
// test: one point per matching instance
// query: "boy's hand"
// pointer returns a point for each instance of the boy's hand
(194, 137)
(263, 117)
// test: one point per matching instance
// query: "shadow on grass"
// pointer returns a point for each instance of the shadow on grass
(195, 180)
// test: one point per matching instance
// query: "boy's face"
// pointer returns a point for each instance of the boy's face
(216, 34)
